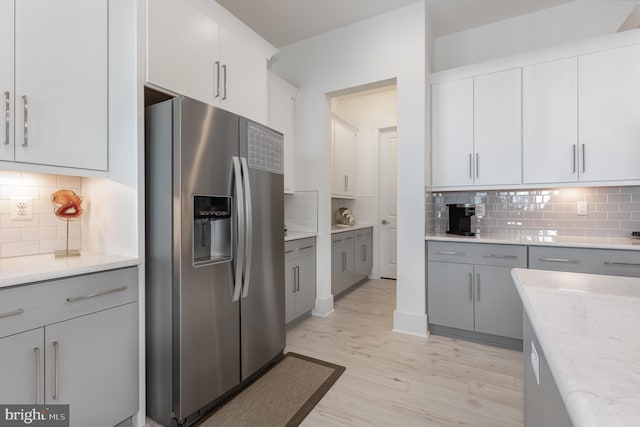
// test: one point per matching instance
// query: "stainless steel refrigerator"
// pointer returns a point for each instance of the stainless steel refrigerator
(214, 256)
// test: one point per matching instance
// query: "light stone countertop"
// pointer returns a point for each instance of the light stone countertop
(296, 235)
(587, 326)
(342, 228)
(35, 268)
(534, 240)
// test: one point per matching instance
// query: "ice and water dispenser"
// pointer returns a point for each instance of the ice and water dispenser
(211, 229)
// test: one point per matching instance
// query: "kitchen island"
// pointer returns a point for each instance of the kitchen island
(585, 327)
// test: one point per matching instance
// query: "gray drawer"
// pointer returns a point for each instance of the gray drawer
(478, 253)
(594, 261)
(53, 301)
(363, 234)
(339, 240)
(299, 248)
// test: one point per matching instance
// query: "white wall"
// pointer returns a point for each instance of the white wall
(381, 48)
(566, 23)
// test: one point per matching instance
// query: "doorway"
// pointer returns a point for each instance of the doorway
(387, 199)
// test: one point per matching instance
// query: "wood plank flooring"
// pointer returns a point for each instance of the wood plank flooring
(394, 379)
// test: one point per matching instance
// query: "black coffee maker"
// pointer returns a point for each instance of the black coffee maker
(460, 219)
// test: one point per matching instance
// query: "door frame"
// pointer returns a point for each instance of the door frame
(380, 249)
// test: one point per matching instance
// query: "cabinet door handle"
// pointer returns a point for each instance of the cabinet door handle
(12, 313)
(364, 253)
(559, 260)
(449, 253)
(306, 247)
(38, 376)
(470, 286)
(293, 270)
(477, 286)
(224, 73)
(500, 256)
(7, 116)
(584, 158)
(56, 370)
(624, 264)
(97, 294)
(477, 165)
(345, 182)
(574, 159)
(217, 79)
(26, 121)
(344, 261)
(297, 278)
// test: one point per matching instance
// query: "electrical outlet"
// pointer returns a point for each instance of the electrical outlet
(21, 209)
(581, 208)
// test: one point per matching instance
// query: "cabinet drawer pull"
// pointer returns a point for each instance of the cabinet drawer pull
(289, 251)
(97, 294)
(26, 121)
(449, 253)
(38, 376)
(12, 313)
(306, 247)
(624, 264)
(56, 370)
(337, 241)
(500, 256)
(559, 260)
(349, 238)
(7, 116)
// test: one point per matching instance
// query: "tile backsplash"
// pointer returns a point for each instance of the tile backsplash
(45, 233)
(612, 211)
(363, 209)
(301, 211)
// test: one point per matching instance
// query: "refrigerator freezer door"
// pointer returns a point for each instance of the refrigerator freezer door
(209, 336)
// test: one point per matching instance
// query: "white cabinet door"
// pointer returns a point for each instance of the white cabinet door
(183, 50)
(61, 83)
(609, 114)
(550, 122)
(497, 128)
(244, 78)
(344, 159)
(92, 365)
(452, 133)
(6, 80)
(282, 118)
(22, 368)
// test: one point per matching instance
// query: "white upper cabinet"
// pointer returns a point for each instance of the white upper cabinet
(6, 79)
(452, 133)
(550, 122)
(609, 114)
(60, 96)
(183, 50)
(282, 118)
(244, 78)
(497, 127)
(344, 158)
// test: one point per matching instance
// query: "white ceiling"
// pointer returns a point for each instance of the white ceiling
(282, 22)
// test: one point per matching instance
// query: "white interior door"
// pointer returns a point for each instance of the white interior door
(388, 203)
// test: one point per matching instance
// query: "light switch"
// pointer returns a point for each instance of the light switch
(581, 208)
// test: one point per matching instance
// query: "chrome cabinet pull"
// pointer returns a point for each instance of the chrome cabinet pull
(500, 256)
(470, 286)
(349, 238)
(306, 247)
(344, 261)
(12, 313)
(26, 121)
(559, 260)
(449, 253)
(477, 165)
(289, 251)
(574, 159)
(624, 264)
(38, 376)
(97, 294)
(477, 286)
(224, 72)
(345, 183)
(297, 278)
(56, 370)
(7, 116)
(293, 269)
(217, 79)
(470, 165)
(584, 158)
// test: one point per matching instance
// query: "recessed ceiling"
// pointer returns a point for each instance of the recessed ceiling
(282, 22)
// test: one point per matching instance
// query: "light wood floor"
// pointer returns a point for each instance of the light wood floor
(394, 379)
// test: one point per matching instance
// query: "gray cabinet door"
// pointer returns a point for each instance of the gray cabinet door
(92, 365)
(451, 294)
(22, 368)
(306, 293)
(290, 289)
(362, 259)
(498, 309)
(342, 268)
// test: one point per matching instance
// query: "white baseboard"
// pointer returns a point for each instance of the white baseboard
(324, 306)
(410, 324)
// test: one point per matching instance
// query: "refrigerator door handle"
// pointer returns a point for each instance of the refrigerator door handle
(240, 218)
(249, 225)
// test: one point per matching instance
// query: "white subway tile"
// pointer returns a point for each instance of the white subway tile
(12, 249)
(9, 235)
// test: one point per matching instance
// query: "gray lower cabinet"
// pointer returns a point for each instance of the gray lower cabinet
(585, 260)
(543, 404)
(351, 258)
(300, 277)
(73, 341)
(363, 257)
(470, 288)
